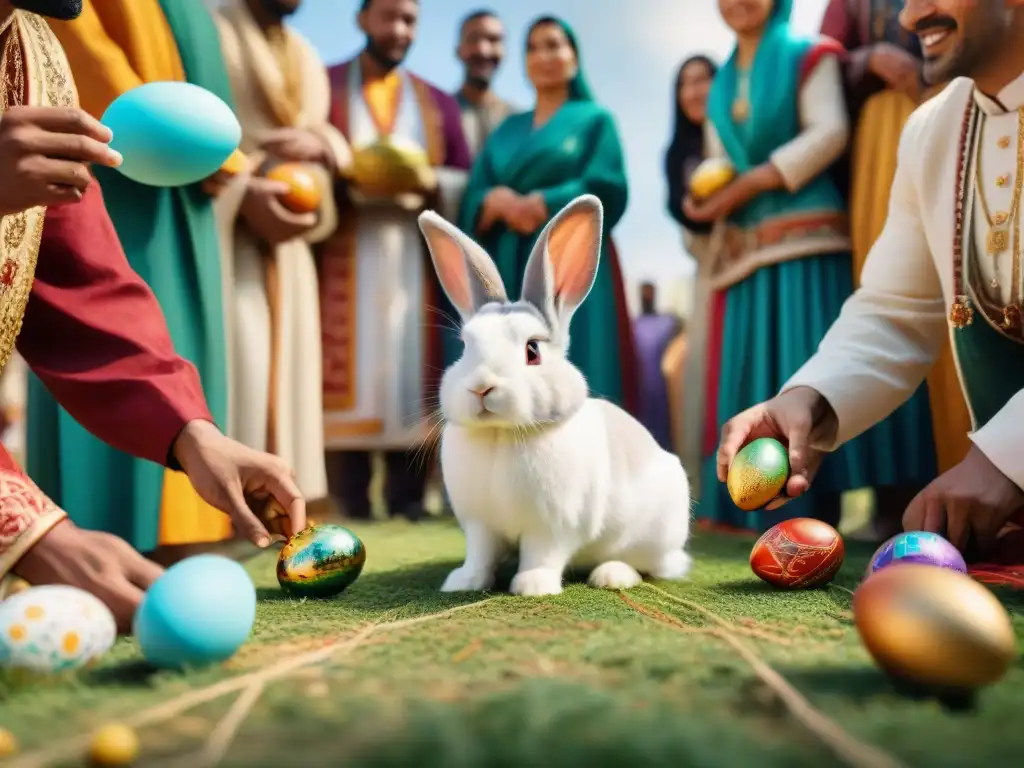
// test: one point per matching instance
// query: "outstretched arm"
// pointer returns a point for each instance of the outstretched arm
(95, 335)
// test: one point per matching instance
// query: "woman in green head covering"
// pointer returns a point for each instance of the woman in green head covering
(777, 114)
(534, 164)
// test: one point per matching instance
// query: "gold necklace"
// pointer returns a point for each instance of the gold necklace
(741, 104)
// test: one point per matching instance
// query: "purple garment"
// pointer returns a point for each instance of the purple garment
(456, 150)
(653, 334)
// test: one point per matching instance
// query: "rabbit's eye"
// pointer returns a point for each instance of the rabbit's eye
(533, 352)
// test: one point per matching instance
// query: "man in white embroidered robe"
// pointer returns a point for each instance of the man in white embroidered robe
(924, 279)
(282, 98)
(481, 50)
(378, 294)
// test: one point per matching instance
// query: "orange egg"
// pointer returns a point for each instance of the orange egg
(236, 163)
(798, 553)
(303, 194)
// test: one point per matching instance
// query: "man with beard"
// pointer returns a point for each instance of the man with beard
(381, 332)
(948, 263)
(481, 49)
(170, 237)
(282, 99)
(93, 332)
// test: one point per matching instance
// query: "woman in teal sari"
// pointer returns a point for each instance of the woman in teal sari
(776, 111)
(532, 165)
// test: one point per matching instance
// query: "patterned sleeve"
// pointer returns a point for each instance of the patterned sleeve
(26, 513)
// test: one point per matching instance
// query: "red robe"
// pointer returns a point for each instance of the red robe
(95, 335)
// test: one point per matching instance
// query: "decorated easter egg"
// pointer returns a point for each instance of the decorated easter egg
(54, 628)
(320, 561)
(934, 626)
(711, 176)
(758, 473)
(918, 547)
(798, 553)
(198, 612)
(171, 133)
(303, 194)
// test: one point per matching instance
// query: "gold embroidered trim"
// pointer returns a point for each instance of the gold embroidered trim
(47, 82)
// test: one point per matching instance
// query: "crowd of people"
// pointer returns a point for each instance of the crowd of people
(318, 337)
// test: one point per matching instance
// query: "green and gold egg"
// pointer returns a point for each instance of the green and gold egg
(758, 474)
(320, 561)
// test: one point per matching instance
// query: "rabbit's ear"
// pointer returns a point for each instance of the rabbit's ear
(467, 273)
(562, 268)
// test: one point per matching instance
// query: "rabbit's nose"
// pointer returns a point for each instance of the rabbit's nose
(482, 392)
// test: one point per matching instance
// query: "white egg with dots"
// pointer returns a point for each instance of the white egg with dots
(54, 629)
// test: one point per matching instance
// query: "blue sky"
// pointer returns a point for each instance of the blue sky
(630, 49)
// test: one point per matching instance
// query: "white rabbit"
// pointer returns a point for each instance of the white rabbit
(527, 457)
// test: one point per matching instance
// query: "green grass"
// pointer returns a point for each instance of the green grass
(586, 678)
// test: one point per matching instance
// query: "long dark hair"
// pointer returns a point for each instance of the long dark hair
(685, 149)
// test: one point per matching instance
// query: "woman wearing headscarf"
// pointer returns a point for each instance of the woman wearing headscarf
(534, 164)
(685, 358)
(777, 112)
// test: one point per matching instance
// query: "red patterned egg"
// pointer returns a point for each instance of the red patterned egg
(798, 553)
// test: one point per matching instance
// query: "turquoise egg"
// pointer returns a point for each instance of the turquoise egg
(198, 613)
(171, 134)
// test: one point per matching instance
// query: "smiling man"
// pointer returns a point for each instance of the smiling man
(481, 51)
(948, 263)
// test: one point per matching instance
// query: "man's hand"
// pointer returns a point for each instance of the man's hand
(899, 69)
(298, 145)
(45, 154)
(224, 472)
(797, 419)
(267, 217)
(973, 499)
(99, 563)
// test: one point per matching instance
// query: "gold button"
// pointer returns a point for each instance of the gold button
(1000, 217)
(1004, 142)
(1002, 181)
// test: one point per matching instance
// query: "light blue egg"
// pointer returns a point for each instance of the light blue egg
(198, 613)
(171, 134)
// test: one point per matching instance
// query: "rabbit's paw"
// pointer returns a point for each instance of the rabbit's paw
(614, 575)
(539, 581)
(465, 580)
(673, 566)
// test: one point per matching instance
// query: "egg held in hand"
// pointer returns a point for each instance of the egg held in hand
(798, 553)
(711, 176)
(758, 473)
(934, 627)
(54, 628)
(199, 612)
(321, 561)
(171, 134)
(304, 194)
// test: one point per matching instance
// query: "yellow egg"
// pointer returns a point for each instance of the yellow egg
(711, 176)
(934, 626)
(114, 744)
(8, 744)
(758, 473)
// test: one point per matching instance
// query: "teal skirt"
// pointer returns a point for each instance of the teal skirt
(771, 324)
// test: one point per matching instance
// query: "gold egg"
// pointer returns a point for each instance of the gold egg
(934, 626)
(758, 473)
(711, 176)
(385, 168)
(114, 744)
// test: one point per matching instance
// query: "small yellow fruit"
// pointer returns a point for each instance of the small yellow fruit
(711, 176)
(114, 745)
(8, 744)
